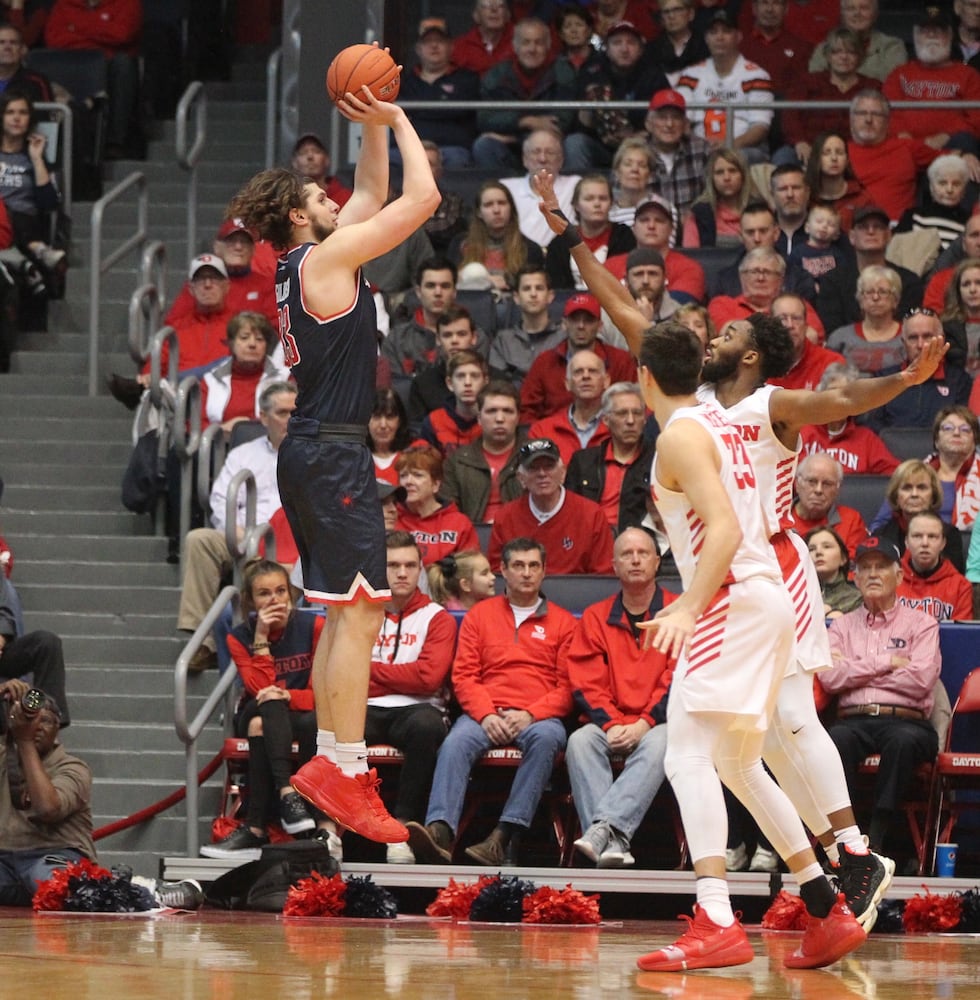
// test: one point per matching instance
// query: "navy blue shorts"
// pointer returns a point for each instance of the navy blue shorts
(330, 498)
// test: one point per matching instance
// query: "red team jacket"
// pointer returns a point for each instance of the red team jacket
(946, 594)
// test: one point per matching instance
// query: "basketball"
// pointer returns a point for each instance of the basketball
(363, 65)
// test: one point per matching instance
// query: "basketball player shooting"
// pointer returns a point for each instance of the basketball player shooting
(328, 326)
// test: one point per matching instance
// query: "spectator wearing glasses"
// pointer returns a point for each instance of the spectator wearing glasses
(810, 360)
(919, 404)
(874, 343)
(680, 44)
(818, 479)
(955, 436)
(869, 236)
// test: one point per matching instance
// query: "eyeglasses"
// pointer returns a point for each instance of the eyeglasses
(877, 293)
(956, 428)
(762, 272)
(861, 113)
(921, 311)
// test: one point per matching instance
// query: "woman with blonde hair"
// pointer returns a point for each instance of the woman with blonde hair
(914, 488)
(874, 344)
(716, 213)
(632, 170)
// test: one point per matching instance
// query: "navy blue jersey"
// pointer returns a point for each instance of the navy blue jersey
(333, 358)
(292, 652)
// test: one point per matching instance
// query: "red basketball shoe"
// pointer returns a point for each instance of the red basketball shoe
(351, 802)
(704, 945)
(827, 939)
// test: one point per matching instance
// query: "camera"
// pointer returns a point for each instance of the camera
(32, 702)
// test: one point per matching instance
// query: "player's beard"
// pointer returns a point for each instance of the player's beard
(319, 230)
(717, 369)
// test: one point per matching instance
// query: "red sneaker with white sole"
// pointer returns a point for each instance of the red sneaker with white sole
(704, 945)
(828, 938)
(352, 802)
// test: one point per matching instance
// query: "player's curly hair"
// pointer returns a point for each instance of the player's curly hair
(264, 204)
(774, 344)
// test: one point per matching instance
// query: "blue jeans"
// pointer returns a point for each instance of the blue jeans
(21, 871)
(599, 796)
(540, 744)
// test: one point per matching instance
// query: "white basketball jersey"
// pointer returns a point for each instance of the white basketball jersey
(686, 530)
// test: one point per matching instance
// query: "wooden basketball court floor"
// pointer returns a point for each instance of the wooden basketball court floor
(234, 956)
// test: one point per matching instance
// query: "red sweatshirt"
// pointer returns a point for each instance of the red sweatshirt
(501, 665)
(112, 26)
(443, 532)
(945, 594)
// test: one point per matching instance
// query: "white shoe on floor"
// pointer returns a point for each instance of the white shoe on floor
(400, 854)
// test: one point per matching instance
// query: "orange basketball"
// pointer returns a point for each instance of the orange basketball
(363, 65)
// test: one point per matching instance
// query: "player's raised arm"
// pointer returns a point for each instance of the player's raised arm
(612, 296)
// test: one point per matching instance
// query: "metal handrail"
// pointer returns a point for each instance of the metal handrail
(66, 136)
(186, 440)
(189, 732)
(153, 267)
(241, 478)
(165, 335)
(273, 110)
(188, 155)
(144, 315)
(212, 447)
(99, 266)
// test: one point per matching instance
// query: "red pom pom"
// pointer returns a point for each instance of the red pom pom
(221, 826)
(316, 896)
(457, 898)
(932, 913)
(787, 913)
(560, 906)
(52, 892)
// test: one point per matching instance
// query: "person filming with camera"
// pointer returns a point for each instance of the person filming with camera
(45, 795)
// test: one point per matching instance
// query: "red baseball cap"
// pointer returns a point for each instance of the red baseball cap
(231, 226)
(668, 99)
(583, 302)
(625, 26)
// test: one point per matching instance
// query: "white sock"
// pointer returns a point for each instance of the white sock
(833, 854)
(326, 744)
(352, 758)
(712, 896)
(851, 838)
(809, 873)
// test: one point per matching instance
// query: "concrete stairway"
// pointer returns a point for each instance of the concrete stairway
(86, 568)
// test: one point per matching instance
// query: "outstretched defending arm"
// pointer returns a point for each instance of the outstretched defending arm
(612, 296)
(794, 408)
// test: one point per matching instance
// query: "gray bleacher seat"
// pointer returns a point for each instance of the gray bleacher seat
(864, 493)
(908, 442)
(483, 533)
(245, 431)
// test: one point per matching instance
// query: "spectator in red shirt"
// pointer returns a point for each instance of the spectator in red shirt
(489, 41)
(818, 479)
(312, 161)
(574, 530)
(888, 166)
(772, 46)
(810, 360)
(933, 76)
(438, 528)
(545, 389)
(580, 424)
(968, 245)
(857, 448)
(113, 27)
(653, 228)
(608, 13)
(930, 583)
(247, 288)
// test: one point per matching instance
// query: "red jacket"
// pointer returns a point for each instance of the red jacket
(945, 594)
(857, 448)
(912, 81)
(889, 171)
(414, 652)
(558, 427)
(544, 392)
(576, 540)
(615, 682)
(846, 521)
(201, 339)
(444, 531)
(683, 275)
(470, 52)
(501, 665)
(112, 26)
(253, 291)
